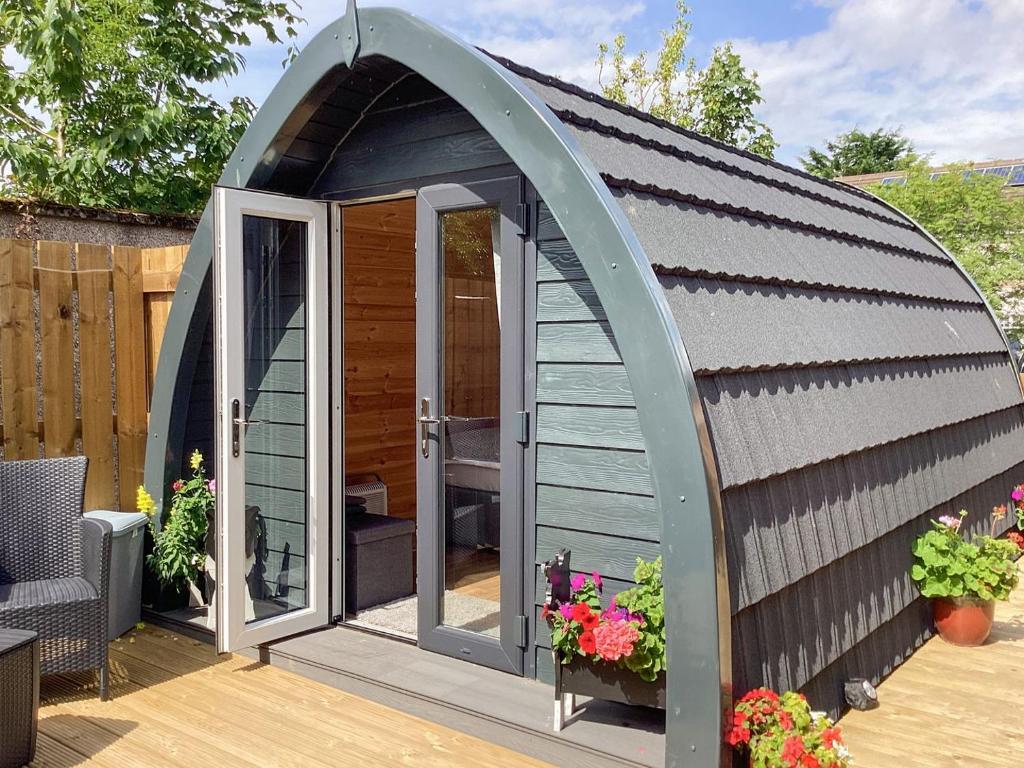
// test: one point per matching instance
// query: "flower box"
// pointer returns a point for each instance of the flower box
(608, 682)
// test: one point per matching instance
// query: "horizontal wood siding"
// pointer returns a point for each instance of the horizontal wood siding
(594, 494)
(427, 139)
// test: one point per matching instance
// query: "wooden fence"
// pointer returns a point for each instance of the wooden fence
(80, 333)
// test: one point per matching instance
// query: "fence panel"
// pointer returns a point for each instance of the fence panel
(130, 370)
(18, 351)
(97, 394)
(80, 333)
(55, 303)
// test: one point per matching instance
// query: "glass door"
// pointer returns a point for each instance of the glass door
(272, 451)
(469, 317)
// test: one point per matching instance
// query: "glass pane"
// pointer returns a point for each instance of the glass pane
(470, 407)
(276, 517)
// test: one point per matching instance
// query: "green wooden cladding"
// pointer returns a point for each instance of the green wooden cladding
(594, 494)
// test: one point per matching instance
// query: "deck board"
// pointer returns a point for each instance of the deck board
(950, 707)
(176, 703)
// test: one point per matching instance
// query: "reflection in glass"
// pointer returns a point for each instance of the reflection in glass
(470, 403)
(276, 517)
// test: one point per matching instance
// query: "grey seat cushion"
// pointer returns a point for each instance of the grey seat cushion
(30, 594)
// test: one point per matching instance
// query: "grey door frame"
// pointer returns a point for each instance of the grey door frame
(507, 652)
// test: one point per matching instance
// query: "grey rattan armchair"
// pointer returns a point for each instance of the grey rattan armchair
(54, 564)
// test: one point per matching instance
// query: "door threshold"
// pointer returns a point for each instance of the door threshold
(495, 706)
(369, 629)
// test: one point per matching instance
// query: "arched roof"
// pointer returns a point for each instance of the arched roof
(854, 381)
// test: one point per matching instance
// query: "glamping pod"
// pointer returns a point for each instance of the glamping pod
(517, 317)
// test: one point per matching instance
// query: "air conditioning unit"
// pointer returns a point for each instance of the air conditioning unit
(375, 493)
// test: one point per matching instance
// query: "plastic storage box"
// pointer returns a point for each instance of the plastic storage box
(125, 604)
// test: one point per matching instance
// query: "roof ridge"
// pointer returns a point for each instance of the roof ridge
(590, 123)
(576, 90)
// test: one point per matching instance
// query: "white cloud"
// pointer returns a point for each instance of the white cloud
(946, 71)
(558, 37)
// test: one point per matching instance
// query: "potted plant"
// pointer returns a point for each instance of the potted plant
(963, 577)
(179, 546)
(616, 653)
(782, 732)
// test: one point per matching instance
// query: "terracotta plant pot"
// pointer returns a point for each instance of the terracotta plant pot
(963, 620)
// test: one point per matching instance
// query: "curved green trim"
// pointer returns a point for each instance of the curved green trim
(959, 267)
(683, 469)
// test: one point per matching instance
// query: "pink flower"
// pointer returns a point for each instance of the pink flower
(614, 639)
(566, 610)
(177, 485)
(1018, 493)
(577, 582)
(212, 485)
(597, 580)
(950, 521)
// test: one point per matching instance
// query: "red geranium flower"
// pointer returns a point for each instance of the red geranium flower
(587, 643)
(738, 735)
(580, 611)
(785, 720)
(809, 761)
(793, 750)
(830, 737)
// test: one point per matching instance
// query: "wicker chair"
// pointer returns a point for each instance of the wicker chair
(54, 564)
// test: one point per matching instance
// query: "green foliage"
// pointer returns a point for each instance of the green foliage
(108, 108)
(647, 599)
(179, 552)
(947, 565)
(856, 152)
(978, 224)
(717, 101)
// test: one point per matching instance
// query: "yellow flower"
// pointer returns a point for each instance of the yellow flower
(196, 460)
(144, 501)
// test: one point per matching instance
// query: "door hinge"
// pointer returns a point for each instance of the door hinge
(523, 427)
(523, 219)
(520, 632)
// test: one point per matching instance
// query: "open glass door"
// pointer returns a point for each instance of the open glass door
(272, 434)
(469, 371)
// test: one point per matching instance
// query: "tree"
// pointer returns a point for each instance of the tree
(856, 152)
(717, 101)
(108, 109)
(978, 224)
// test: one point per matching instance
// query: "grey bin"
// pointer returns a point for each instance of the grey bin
(125, 602)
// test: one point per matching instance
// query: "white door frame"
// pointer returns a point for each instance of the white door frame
(230, 206)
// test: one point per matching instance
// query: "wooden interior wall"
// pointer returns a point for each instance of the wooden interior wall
(472, 333)
(379, 274)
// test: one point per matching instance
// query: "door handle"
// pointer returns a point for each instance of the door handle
(236, 432)
(425, 421)
(237, 422)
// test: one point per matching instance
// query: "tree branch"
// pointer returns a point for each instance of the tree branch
(27, 123)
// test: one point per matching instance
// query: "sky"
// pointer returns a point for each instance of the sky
(945, 72)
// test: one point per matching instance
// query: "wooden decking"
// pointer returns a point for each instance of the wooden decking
(176, 703)
(950, 707)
